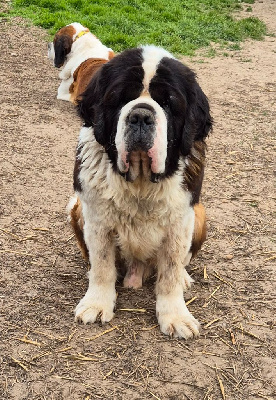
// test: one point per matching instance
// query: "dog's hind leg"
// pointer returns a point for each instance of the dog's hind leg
(199, 235)
(75, 218)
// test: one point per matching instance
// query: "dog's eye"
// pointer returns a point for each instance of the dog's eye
(168, 102)
(111, 97)
(172, 100)
(176, 104)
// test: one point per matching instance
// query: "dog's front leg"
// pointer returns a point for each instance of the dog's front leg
(64, 89)
(100, 298)
(173, 315)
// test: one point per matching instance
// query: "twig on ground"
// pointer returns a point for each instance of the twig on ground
(211, 295)
(249, 334)
(10, 234)
(140, 310)
(29, 341)
(101, 334)
(211, 323)
(149, 329)
(191, 300)
(232, 337)
(222, 279)
(221, 386)
(20, 363)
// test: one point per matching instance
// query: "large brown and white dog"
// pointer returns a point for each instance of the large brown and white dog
(137, 179)
(80, 54)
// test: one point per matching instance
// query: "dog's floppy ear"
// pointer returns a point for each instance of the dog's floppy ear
(90, 106)
(198, 121)
(197, 118)
(62, 46)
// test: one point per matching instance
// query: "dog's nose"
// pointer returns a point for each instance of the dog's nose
(141, 118)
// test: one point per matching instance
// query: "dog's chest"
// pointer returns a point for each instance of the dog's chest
(140, 228)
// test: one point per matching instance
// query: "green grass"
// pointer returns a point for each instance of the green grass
(181, 26)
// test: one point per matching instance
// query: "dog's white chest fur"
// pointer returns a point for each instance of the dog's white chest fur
(140, 232)
(138, 213)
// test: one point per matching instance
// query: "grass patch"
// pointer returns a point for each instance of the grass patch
(181, 26)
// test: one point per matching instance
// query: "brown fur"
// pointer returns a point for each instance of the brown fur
(77, 225)
(194, 171)
(68, 30)
(65, 35)
(111, 55)
(199, 235)
(83, 75)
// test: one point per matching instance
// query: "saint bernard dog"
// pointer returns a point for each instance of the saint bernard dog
(137, 179)
(79, 54)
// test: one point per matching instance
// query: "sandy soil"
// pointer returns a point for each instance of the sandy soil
(43, 353)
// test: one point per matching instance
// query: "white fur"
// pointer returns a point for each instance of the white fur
(152, 223)
(152, 55)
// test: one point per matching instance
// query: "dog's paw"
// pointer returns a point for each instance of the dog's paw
(96, 306)
(187, 280)
(65, 97)
(179, 326)
(175, 319)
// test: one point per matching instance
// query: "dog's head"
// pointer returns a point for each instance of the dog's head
(61, 46)
(147, 110)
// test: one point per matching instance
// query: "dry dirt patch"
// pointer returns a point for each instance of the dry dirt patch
(44, 354)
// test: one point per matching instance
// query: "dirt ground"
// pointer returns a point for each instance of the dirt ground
(44, 354)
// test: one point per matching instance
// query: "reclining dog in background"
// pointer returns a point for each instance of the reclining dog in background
(79, 54)
(137, 179)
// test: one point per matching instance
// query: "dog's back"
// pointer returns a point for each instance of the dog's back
(83, 75)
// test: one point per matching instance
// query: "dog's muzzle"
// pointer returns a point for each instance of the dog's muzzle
(141, 140)
(140, 128)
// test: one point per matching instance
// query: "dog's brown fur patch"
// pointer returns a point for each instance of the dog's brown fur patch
(83, 75)
(194, 171)
(77, 225)
(111, 54)
(68, 30)
(199, 235)
(65, 35)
